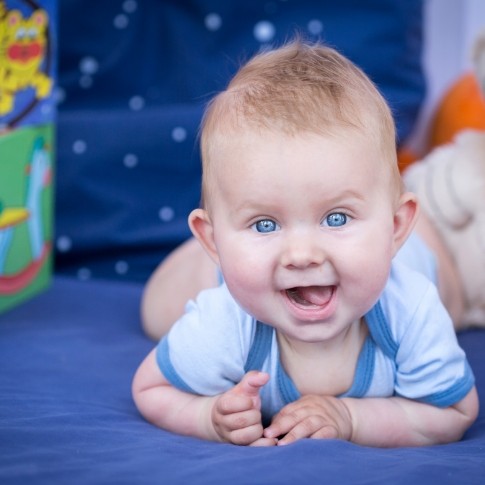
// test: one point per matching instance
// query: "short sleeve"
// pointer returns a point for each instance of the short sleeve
(430, 365)
(205, 351)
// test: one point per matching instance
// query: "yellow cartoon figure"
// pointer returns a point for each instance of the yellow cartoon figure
(23, 44)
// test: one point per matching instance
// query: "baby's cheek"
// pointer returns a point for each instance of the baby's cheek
(244, 277)
(245, 282)
(371, 278)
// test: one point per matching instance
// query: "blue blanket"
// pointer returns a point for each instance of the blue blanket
(66, 414)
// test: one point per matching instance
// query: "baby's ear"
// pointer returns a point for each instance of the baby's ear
(405, 219)
(201, 226)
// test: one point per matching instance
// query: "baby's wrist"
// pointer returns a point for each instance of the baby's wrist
(347, 429)
(208, 419)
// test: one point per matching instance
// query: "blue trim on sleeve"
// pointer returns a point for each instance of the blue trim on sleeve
(377, 324)
(364, 371)
(453, 394)
(260, 348)
(167, 368)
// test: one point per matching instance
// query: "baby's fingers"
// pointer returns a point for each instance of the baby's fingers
(243, 420)
(231, 403)
(246, 435)
(293, 426)
(240, 428)
(250, 385)
(283, 423)
(311, 417)
(264, 442)
(311, 427)
(236, 415)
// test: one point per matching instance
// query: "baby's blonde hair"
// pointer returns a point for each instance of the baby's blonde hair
(294, 89)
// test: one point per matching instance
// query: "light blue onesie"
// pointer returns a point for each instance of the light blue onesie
(411, 349)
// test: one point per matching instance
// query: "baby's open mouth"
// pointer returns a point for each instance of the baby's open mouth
(310, 295)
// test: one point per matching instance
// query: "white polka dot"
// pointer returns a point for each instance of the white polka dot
(213, 21)
(136, 103)
(59, 95)
(179, 134)
(166, 214)
(88, 65)
(84, 274)
(315, 27)
(130, 6)
(63, 244)
(121, 267)
(79, 147)
(264, 31)
(130, 160)
(86, 82)
(121, 21)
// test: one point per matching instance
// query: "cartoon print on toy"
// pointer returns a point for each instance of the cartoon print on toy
(39, 176)
(24, 62)
(9, 218)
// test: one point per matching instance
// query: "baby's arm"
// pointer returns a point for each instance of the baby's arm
(402, 422)
(384, 422)
(233, 416)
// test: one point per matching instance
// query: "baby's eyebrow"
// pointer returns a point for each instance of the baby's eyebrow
(345, 195)
(353, 193)
(265, 207)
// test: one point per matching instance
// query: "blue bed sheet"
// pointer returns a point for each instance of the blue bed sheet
(66, 414)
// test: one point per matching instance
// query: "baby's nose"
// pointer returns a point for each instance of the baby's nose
(302, 252)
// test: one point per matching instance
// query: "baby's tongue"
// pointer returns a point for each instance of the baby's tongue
(311, 295)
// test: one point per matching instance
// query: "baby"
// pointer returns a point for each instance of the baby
(327, 323)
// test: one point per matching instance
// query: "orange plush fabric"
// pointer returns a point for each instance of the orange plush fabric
(463, 106)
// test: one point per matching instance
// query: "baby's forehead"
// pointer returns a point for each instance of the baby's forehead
(250, 136)
(230, 150)
(236, 149)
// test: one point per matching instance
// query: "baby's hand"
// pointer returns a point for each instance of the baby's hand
(236, 415)
(312, 416)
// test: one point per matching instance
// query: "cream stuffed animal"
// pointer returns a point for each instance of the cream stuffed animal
(450, 184)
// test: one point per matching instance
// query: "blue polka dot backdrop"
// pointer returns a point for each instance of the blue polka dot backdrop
(134, 77)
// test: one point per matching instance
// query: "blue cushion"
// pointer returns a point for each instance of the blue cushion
(134, 78)
(67, 359)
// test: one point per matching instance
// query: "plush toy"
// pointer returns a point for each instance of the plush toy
(450, 184)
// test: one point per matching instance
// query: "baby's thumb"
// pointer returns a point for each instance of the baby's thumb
(251, 383)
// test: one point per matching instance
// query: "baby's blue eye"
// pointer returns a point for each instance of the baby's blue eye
(265, 225)
(336, 219)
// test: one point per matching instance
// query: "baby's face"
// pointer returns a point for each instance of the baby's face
(303, 228)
